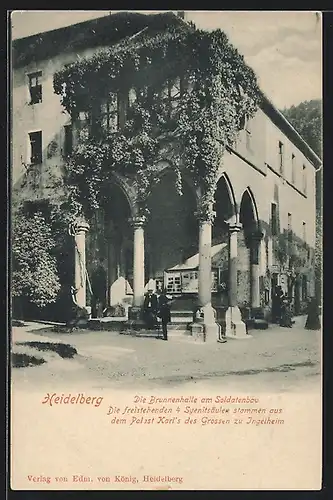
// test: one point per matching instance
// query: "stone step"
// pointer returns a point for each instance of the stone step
(106, 324)
(256, 324)
(181, 313)
(178, 326)
(181, 320)
(154, 333)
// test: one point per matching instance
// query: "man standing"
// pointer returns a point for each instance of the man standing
(164, 312)
(277, 304)
(150, 306)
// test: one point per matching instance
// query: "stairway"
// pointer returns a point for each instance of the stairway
(180, 319)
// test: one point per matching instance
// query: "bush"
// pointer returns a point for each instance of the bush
(34, 266)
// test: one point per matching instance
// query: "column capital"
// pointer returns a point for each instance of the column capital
(205, 212)
(79, 227)
(138, 221)
(234, 227)
(205, 215)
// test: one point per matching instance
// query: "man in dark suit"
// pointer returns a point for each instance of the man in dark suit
(150, 306)
(164, 312)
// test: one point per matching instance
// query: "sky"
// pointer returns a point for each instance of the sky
(283, 47)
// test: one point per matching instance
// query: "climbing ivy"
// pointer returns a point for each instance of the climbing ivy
(291, 249)
(218, 92)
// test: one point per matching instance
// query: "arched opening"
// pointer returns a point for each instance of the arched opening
(110, 253)
(225, 209)
(248, 217)
(171, 233)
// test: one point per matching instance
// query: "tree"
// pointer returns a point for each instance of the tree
(35, 274)
(306, 118)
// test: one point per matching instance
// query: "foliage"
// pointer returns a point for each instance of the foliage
(34, 273)
(290, 249)
(307, 118)
(218, 91)
(281, 248)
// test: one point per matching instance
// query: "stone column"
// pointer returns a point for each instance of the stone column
(235, 327)
(210, 330)
(256, 238)
(138, 266)
(112, 261)
(80, 262)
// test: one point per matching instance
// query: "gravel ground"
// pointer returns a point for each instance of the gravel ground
(280, 366)
(274, 359)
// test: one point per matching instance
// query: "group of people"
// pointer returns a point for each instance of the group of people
(282, 308)
(157, 305)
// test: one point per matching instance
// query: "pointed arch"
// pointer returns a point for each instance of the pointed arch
(248, 214)
(230, 191)
(126, 190)
(225, 205)
(250, 194)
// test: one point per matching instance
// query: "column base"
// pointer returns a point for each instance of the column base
(135, 321)
(205, 329)
(134, 313)
(198, 332)
(235, 327)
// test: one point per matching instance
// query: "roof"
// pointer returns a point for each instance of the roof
(193, 261)
(283, 124)
(105, 30)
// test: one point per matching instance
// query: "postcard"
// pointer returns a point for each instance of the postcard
(166, 250)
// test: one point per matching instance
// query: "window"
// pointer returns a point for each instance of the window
(132, 97)
(174, 283)
(109, 114)
(83, 124)
(68, 142)
(171, 95)
(304, 179)
(281, 159)
(122, 106)
(35, 87)
(304, 231)
(35, 147)
(274, 221)
(293, 176)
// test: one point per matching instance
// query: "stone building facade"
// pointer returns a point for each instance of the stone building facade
(264, 201)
